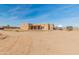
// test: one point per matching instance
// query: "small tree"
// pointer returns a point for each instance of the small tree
(69, 28)
(8, 25)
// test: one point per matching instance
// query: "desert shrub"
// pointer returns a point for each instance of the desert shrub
(17, 30)
(3, 36)
(69, 28)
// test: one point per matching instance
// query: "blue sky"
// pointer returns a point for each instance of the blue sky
(59, 14)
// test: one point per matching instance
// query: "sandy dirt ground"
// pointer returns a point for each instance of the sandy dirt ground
(40, 43)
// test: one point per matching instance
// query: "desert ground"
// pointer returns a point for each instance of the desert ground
(40, 43)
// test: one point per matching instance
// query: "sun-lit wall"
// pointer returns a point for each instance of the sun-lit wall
(24, 26)
(37, 27)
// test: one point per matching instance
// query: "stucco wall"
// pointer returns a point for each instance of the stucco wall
(44, 26)
(24, 27)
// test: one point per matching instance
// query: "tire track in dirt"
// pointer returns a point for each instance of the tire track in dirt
(7, 43)
(16, 44)
(29, 48)
(10, 47)
(21, 46)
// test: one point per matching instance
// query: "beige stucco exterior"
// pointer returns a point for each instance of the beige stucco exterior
(24, 26)
(36, 26)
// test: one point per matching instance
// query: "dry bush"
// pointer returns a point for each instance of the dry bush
(69, 28)
(3, 36)
(15, 30)
(20, 30)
